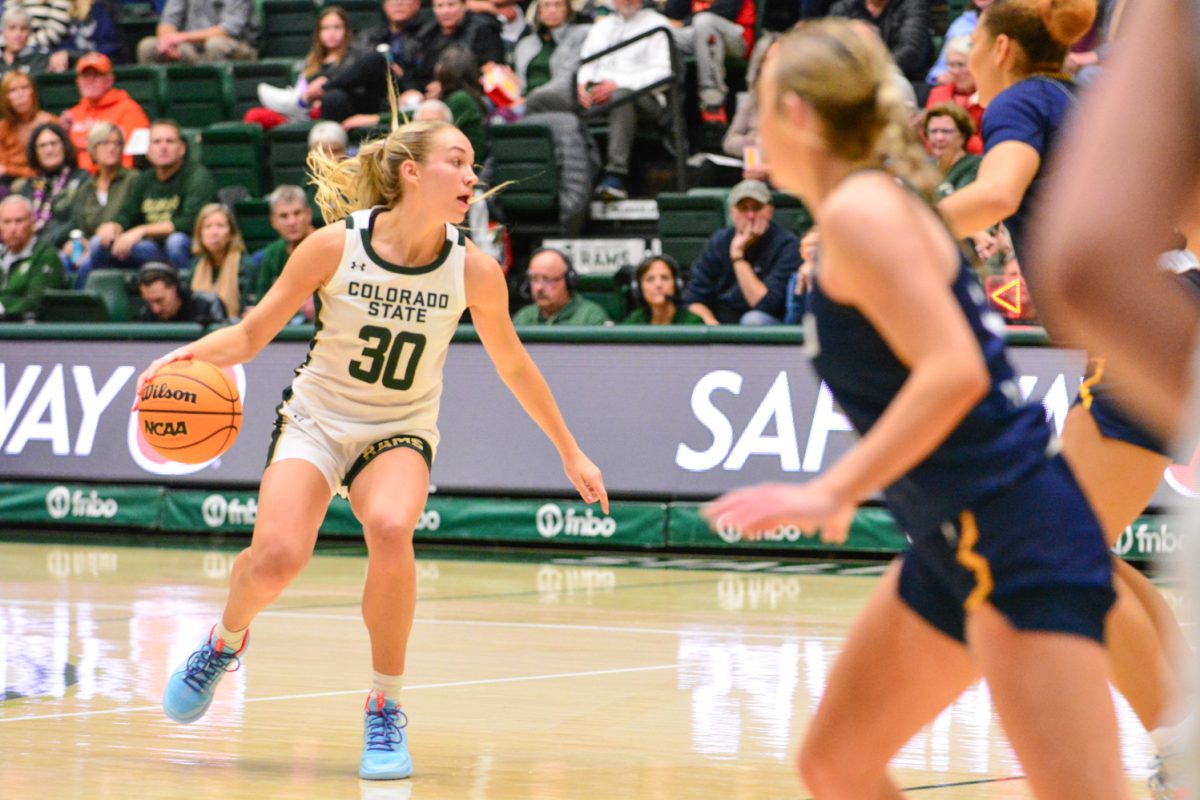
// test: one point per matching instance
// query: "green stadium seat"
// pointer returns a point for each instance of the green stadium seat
(247, 75)
(196, 95)
(113, 287)
(254, 220)
(686, 222)
(524, 154)
(287, 149)
(363, 14)
(144, 84)
(57, 91)
(66, 305)
(288, 27)
(235, 154)
(136, 21)
(791, 214)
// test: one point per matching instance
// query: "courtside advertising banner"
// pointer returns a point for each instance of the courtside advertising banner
(663, 421)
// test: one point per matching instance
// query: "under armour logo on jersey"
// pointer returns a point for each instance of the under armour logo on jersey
(358, 265)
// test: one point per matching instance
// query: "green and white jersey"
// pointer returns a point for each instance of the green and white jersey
(381, 334)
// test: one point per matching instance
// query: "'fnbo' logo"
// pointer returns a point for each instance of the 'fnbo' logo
(58, 502)
(551, 521)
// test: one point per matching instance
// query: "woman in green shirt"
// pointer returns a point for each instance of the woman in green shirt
(100, 196)
(657, 285)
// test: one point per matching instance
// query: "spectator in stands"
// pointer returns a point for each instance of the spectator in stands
(157, 217)
(551, 281)
(513, 25)
(656, 293)
(902, 24)
(50, 21)
(711, 30)
(100, 100)
(604, 83)
(456, 83)
(291, 217)
(19, 53)
(330, 137)
(946, 128)
(27, 269)
(203, 31)
(959, 89)
(411, 69)
(168, 300)
(54, 187)
(800, 282)
(93, 29)
(478, 33)
(433, 111)
(545, 59)
(100, 196)
(742, 274)
(329, 52)
(222, 267)
(21, 113)
(741, 139)
(963, 25)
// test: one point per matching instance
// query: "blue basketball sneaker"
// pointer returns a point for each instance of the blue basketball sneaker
(385, 743)
(190, 689)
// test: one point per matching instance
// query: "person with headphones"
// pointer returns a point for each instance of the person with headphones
(655, 290)
(168, 299)
(553, 284)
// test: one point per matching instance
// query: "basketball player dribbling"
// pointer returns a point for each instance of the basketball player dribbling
(391, 280)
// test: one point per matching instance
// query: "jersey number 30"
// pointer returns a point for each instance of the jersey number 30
(384, 354)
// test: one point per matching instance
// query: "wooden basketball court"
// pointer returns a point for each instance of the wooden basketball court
(568, 676)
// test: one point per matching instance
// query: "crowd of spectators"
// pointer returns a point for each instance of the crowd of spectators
(97, 202)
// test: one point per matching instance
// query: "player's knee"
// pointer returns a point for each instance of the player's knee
(275, 566)
(388, 535)
(825, 771)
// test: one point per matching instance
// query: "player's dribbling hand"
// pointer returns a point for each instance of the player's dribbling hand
(754, 510)
(152, 370)
(586, 478)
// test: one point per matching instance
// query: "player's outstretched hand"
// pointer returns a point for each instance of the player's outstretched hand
(155, 365)
(586, 478)
(811, 507)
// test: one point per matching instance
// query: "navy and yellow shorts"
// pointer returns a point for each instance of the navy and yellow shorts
(1096, 396)
(1034, 551)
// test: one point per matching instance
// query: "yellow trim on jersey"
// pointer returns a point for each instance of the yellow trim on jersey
(973, 561)
(1085, 388)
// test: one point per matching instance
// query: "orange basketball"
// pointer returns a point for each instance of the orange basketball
(190, 412)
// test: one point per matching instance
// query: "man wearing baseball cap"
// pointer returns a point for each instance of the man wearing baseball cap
(99, 101)
(742, 274)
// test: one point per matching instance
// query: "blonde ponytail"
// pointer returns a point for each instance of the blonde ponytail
(897, 146)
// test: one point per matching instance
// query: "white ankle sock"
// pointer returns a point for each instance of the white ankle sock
(233, 639)
(387, 685)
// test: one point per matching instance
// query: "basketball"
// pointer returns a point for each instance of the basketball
(190, 412)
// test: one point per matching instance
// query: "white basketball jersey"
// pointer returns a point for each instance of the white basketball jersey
(381, 334)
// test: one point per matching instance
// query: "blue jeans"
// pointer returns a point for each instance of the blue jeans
(756, 317)
(177, 252)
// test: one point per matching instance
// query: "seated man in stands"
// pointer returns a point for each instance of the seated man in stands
(158, 214)
(27, 269)
(710, 30)
(604, 82)
(100, 101)
(291, 217)
(203, 31)
(742, 275)
(551, 282)
(167, 299)
(904, 27)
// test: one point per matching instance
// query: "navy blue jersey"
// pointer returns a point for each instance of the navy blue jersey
(999, 442)
(1033, 111)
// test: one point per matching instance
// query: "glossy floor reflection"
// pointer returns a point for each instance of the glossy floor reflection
(572, 677)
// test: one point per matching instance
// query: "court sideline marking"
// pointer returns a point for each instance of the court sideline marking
(312, 695)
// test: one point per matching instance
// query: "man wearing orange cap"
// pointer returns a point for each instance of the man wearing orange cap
(100, 101)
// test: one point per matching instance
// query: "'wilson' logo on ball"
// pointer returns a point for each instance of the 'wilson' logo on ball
(166, 428)
(157, 391)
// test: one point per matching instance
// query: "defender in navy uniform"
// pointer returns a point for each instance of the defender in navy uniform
(1016, 57)
(1008, 576)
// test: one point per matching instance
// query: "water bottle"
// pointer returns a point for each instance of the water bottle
(77, 247)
